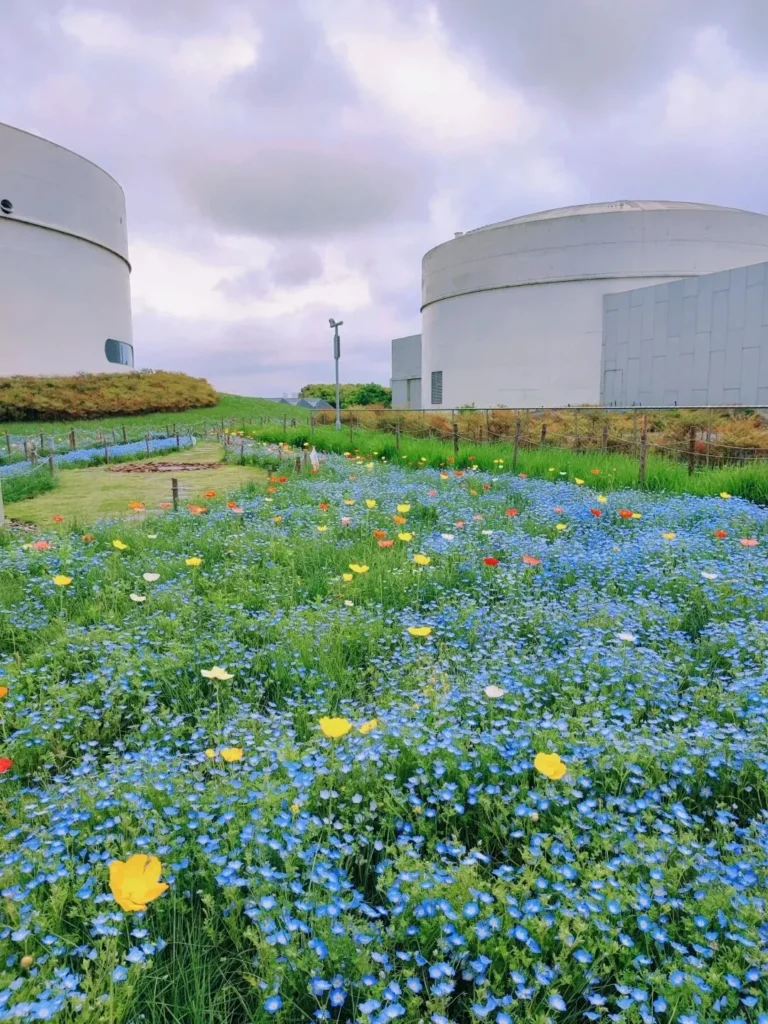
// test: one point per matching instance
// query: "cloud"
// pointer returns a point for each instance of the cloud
(304, 188)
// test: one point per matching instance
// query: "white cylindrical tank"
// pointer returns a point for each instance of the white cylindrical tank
(65, 299)
(512, 313)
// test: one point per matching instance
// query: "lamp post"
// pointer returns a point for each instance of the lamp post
(335, 325)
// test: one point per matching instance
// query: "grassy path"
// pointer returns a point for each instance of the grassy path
(85, 495)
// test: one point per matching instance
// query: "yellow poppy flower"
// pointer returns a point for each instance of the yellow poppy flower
(136, 882)
(194, 561)
(420, 630)
(346, 576)
(119, 545)
(358, 568)
(577, 481)
(561, 526)
(367, 727)
(334, 728)
(277, 519)
(422, 559)
(370, 503)
(231, 754)
(210, 753)
(62, 581)
(215, 673)
(602, 499)
(405, 536)
(669, 536)
(637, 515)
(443, 476)
(321, 529)
(550, 765)
(349, 501)
(402, 509)
(725, 495)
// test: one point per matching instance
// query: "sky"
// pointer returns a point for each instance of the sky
(287, 161)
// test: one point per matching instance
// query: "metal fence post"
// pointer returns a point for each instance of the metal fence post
(643, 452)
(516, 445)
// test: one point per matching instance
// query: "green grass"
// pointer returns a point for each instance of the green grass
(83, 496)
(230, 407)
(615, 471)
(28, 485)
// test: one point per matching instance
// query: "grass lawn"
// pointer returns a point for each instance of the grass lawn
(85, 495)
(230, 407)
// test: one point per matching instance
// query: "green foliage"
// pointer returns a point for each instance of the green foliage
(28, 485)
(350, 395)
(91, 395)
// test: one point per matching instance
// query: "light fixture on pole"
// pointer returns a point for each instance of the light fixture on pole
(335, 325)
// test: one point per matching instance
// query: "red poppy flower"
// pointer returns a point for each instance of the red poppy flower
(165, 504)
(231, 504)
(282, 479)
(720, 534)
(471, 458)
(491, 561)
(596, 512)
(558, 509)
(530, 560)
(41, 545)
(58, 519)
(625, 513)
(459, 524)
(324, 506)
(595, 472)
(459, 472)
(511, 512)
(450, 459)
(380, 534)
(5, 764)
(386, 543)
(433, 494)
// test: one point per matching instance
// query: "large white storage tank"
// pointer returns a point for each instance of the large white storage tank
(65, 300)
(512, 313)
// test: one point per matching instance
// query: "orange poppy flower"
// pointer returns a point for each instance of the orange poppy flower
(88, 537)
(196, 510)
(386, 543)
(58, 519)
(748, 542)
(530, 560)
(596, 512)
(379, 534)
(231, 504)
(323, 506)
(459, 472)
(478, 518)
(450, 459)
(720, 534)
(595, 472)
(282, 479)
(271, 490)
(41, 545)
(625, 513)
(459, 524)
(210, 494)
(486, 487)
(165, 504)
(523, 476)
(511, 512)
(137, 506)
(399, 520)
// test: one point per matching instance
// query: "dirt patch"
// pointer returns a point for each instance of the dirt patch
(162, 467)
(20, 524)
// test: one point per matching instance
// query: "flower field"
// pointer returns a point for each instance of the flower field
(386, 744)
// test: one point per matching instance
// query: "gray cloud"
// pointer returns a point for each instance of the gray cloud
(305, 189)
(294, 265)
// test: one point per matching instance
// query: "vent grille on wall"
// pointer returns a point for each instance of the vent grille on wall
(437, 387)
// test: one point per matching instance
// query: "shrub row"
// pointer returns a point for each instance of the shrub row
(90, 395)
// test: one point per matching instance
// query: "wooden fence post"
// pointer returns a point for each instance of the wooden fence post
(2, 510)
(397, 436)
(175, 493)
(285, 426)
(709, 436)
(543, 438)
(516, 445)
(42, 443)
(106, 450)
(576, 438)
(643, 451)
(691, 449)
(146, 441)
(73, 440)
(51, 465)
(605, 436)
(350, 429)
(455, 439)
(125, 436)
(178, 440)
(8, 442)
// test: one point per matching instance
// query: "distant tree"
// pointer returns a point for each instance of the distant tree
(350, 394)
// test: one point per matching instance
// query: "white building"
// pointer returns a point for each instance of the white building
(65, 300)
(512, 313)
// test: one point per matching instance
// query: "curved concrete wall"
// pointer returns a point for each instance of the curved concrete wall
(64, 271)
(512, 313)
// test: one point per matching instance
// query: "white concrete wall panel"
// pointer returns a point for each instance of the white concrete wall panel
(716, 354)
(406, 372)
(64, 271)
(513, 313)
